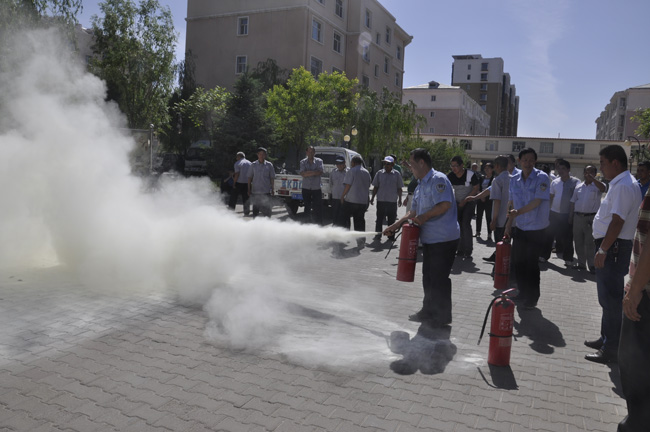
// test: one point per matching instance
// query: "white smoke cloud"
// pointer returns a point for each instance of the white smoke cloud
(68, 197)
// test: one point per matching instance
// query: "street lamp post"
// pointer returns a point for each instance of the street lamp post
(347, 138)
(640, 153)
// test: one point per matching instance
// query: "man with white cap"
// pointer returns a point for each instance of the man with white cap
(387, 187)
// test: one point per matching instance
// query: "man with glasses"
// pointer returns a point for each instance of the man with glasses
(387, 187)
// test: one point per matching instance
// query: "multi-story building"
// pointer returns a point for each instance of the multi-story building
(447, 109)
(615, 122)
(579, 152)
(358, 37)
(485, 81)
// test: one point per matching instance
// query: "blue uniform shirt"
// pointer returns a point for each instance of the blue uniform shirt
(435, 188)
(537, 185)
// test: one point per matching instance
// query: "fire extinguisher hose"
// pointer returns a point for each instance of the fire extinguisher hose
(486, 318)
(393, 243)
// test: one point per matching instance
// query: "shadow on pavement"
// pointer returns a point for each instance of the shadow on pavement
(464, 265)
(543, 333)
(430, 350)
(502, 377)
(580, 276)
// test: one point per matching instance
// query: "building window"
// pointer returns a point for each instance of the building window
(621, 121)
(491, 145)
(546, 147)
(518, 146)
(316, 66)
(483, 77)
(336, 46)
(339, 8)
(469, 77)
(389, 35)
(321, 1)
(399, 53)
(376, 70)
(386, 65)
(242, 26)
(466, 144)
(484, 107)
(241, 64)
(432, 114)
(368, 19)
(365, 81)
(431, 130)
(621, 102)
(484, 87)
(316, 30)
(397, 79)
(468, 87)
(577, 149)
(484, 66)
(378, 38)
(469, 67)
(366, 52)
(336, 70)
(433, 98)
(483, 97)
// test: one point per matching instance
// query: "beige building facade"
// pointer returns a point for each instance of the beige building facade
(447, 110)
(579, 153)
(615, 122)
(358, 37)
(485, 81)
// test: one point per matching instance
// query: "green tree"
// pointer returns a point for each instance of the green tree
(13, 12)
(269, 74)
(205, 109)
(307, 110)
(385, 125)
(134, 47)
(643, 117)
(441, 151)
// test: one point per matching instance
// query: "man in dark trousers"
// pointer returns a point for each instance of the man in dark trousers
(241, 183)
(311, 170)
(465, 184)
(613, 231)
(387, 188)
(355, 198)
(434, 210)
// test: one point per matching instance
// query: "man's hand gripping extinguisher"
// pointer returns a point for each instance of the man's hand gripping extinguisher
(408, 251)
(503, 317)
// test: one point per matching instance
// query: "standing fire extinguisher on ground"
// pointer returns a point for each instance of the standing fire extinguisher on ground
(503, 317)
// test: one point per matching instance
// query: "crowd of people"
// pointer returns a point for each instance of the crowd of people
(604, 223)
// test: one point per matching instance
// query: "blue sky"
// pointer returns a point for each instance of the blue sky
(565, 57)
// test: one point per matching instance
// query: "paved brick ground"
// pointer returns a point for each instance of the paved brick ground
(77, 360)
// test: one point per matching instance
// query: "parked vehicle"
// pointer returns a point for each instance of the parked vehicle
(165, 162)
(196, 158)
(289, 186)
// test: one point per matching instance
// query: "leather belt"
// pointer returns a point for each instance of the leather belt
(585, 214)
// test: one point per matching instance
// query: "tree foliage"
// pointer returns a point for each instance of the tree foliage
(15, 11)
(385, 125)
(134, 47)
(205, 108)
(441, 151)
(643, 117)
(307, 110)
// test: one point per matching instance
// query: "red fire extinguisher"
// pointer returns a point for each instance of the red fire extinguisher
(408, 252)
(503, 317)
(502, 264)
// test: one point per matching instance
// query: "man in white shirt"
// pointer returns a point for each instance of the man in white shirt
(584, 205)
(241, 183)
(560, 228)
(613, 231)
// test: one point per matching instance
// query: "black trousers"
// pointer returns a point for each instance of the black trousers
(386, 210)
(526, 248)
(338, 215)
(313, 200)
(560, 231)
(240, 189)
(262, 203)
(484, 207)
(465, 215)
(437, 260)
(633, 361)
(358, 214)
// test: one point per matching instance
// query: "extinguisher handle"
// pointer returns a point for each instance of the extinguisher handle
(506, 292)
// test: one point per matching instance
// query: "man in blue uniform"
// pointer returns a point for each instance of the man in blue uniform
(434, 210)
(260, 184)
(388, 186)
(529, 201)
(311, 170)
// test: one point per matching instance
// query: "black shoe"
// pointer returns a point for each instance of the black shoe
(594, 344)
(491, 258)
(602, 357)
(420, 317)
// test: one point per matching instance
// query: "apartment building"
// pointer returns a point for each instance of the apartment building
(447, 109)
(579, 152)
(485, 81)
(615, 122)
(358, 37)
